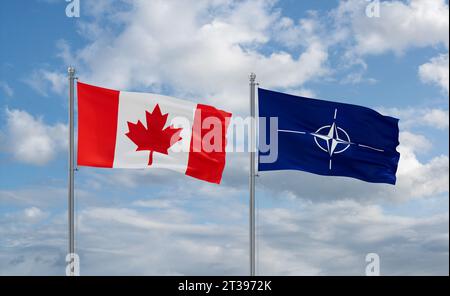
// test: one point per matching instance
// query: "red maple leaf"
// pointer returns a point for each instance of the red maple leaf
(155, 137)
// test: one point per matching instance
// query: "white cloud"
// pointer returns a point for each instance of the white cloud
(4, 86)
(176, 224)
(157, 204)
(212, 47)
(33, 197)
(401, 25)
(294, 238)
(303, 92)
(33, 215)
(305, 31)
(414, 142)
(64, 52)
(418, 179)
(44, 82)
(414, 116)
(357, 77)
(337, 235)
(437, 118)
(30, 215)
(436, 71)
(30, 140)
(207, 53)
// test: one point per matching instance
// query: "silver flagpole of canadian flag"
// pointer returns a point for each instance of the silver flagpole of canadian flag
(71, 199)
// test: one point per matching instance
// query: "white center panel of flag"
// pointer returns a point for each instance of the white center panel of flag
(133, 108)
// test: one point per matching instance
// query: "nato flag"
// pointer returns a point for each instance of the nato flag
(326, 138)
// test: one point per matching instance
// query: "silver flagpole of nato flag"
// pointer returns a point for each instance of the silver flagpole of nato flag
(252, 174)
(71, 201)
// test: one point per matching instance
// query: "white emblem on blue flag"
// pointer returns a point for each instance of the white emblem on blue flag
(335, 138)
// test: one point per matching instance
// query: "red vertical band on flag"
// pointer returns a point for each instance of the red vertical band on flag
(97, 125)
(207, 152)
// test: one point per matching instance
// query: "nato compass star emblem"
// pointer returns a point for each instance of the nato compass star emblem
(332, 139)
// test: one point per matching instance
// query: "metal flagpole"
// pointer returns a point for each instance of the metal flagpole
(252, 174)
(71, 75)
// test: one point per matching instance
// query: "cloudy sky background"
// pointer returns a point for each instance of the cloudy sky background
(164, 223)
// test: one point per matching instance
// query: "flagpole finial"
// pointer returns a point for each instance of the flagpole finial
(252, 77)
(71, 70)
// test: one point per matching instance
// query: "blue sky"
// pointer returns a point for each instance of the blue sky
(138, 222)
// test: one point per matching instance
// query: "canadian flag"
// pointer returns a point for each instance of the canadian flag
(118, 129)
